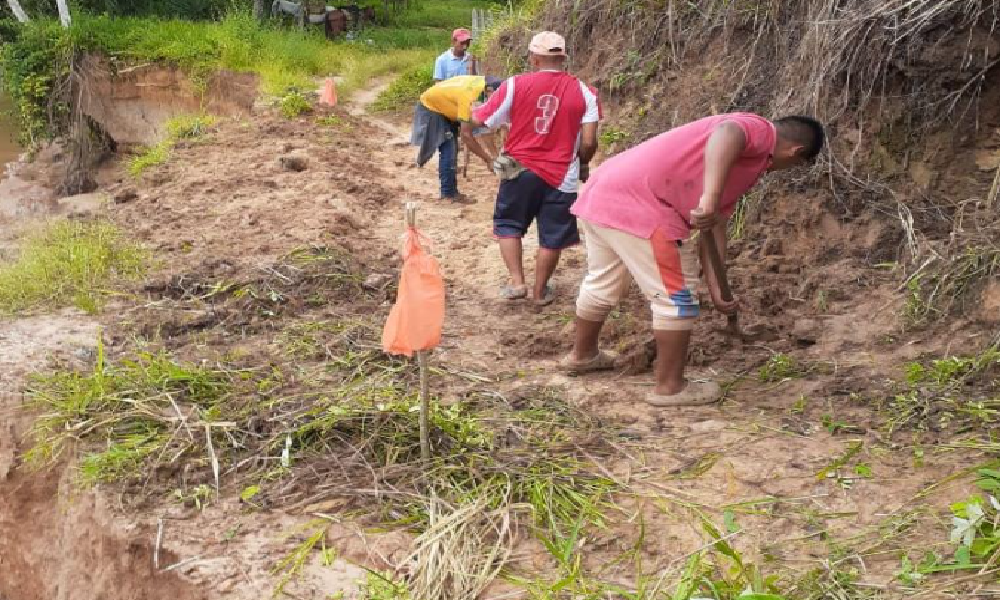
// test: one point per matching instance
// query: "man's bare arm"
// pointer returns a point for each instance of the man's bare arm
(718, 232)
(588, 142)
(588, 148)
(723, 149)
(472, 143)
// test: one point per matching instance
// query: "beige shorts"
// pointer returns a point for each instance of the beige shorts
(666, 270)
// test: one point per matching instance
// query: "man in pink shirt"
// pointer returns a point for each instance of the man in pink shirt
(637, 213)
(553, 131)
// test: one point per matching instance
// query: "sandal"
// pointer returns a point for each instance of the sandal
(602, 361)
(695, 393)
(511, 292)
(548, 297)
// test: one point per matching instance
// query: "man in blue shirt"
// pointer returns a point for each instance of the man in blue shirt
(456, 60)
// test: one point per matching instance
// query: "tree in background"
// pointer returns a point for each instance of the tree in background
(186, 9)
(63, 13)
(19, 14)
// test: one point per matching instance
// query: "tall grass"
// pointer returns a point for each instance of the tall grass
(285, 58)
(37, 56)
(68, 263)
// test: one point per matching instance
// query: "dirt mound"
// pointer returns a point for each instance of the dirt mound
(133, 103)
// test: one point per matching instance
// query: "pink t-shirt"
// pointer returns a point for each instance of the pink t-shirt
(657, 184)
(545, 111)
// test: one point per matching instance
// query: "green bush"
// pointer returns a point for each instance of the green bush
(32, 63)
(188, 9)
(405, 89)
(294, 104)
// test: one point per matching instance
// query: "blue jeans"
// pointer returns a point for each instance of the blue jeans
(448, 165)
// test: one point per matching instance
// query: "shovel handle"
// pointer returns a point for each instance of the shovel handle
(719, 268)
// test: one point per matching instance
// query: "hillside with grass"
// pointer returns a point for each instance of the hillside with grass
(195, 403)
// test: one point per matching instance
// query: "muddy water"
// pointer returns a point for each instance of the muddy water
(25, 189)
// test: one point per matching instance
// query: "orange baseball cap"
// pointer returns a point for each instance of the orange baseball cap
(548, 43)
(461, 35)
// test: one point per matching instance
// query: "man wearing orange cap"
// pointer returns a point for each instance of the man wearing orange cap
(553, 135)
(456, 60)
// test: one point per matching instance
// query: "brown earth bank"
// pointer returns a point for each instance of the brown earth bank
(277, 245)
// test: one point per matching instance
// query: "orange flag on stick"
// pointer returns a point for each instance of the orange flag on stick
(328, 94)
(417, 318)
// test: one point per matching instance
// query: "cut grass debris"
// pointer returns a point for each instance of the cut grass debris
(780, 367)
(290, 567)
(949, 280)
(371, 409)
(69, 263)
(383, 587)
(126, 415)
(952, 392)
(951, 371)
(718, 571)
(975, 536)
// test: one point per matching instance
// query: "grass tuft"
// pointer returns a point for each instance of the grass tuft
(780, 367)
(294, 104)
(152, 156)
(68, 263)
(182, 128)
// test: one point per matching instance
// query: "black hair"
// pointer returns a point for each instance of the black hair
(803, 130)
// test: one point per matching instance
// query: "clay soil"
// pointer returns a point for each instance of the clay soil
(229, 209)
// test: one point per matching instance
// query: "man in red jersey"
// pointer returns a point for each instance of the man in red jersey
(553, 135)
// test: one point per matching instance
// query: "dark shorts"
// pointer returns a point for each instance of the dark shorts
(526, 198)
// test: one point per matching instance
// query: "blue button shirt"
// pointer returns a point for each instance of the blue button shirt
(448, 65)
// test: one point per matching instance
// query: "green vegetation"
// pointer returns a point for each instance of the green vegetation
(942, 393)
(188, 9)
(405, 89)
(611, 135)
(521, 18)
(382, 587)
(951, 371)
(636, 70)
(32, 67)
(153, 156)
(41, 55)
(949, 283)
(719, 572)
(189, 127)
(68, 263)
(291, 566)
(293, 104)
(975, 536)
(780, 367)
(131, 407)
(331, 121)
(746, 207)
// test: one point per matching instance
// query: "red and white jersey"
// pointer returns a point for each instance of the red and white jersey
(545, 111)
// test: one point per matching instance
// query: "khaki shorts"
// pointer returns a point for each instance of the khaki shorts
(666, 271)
